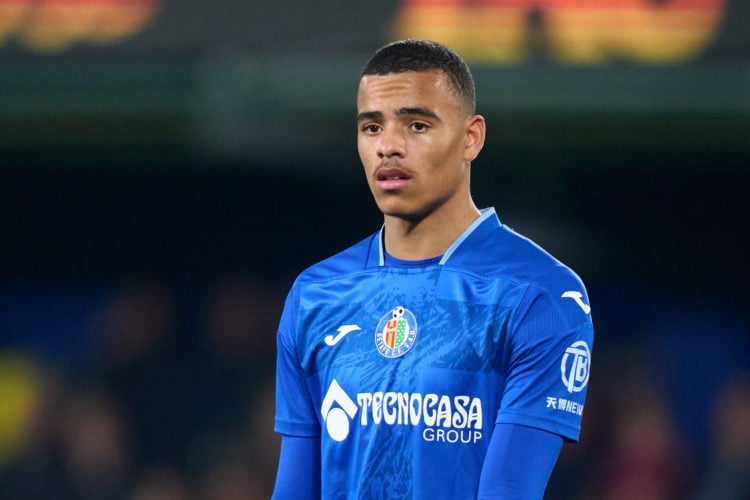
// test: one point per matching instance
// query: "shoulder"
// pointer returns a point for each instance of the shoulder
(326, 275)
(503, 252)
(507, 255)
(532, 263)
(351, 260)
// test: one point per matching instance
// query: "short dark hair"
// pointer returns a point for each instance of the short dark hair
(424, 55)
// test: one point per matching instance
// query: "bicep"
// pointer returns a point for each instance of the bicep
(547, 371)
(518, 463)
(298, 475)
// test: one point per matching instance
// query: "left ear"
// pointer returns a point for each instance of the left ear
(476, 128)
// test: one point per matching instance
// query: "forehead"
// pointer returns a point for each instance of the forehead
(406, 88)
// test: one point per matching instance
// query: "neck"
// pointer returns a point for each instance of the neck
(428, 237)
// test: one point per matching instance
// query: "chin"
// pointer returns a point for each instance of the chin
(390, 206)
(403, 213)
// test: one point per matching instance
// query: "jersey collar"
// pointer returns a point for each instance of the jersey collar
(487, 220)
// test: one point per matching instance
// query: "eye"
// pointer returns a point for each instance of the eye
(419, 126)
(371, 128)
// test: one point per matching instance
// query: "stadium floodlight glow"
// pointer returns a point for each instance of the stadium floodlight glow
(570, 31)
(55, 25)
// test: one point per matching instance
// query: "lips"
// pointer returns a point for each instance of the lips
(391, 178)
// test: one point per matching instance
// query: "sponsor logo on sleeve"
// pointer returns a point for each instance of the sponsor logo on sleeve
(574, 368)
(578, 297)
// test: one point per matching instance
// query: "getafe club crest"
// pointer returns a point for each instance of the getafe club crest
(396, 333)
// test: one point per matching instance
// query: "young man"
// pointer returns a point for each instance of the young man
(445, 356)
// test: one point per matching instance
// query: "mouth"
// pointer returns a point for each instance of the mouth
(391, 178)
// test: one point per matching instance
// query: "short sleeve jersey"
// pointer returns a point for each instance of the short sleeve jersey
(403, 368)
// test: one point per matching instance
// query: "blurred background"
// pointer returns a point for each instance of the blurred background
(167, 168)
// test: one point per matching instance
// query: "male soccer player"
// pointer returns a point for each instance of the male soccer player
(445, 356)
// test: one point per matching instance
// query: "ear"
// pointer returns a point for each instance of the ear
(476, 128)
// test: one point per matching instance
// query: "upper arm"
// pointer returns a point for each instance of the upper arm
(518, 463)
(298, 475)
(295, 412)
(548, 366)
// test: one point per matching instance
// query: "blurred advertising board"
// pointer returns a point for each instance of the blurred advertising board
(217, 76)
(493, 31)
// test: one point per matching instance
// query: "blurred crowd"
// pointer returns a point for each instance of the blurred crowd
(147, 410)
(162, 401)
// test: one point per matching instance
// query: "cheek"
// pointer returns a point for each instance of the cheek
(439, 161)
(368, 160)
(366, 150)
(445, 172)
(363, 154)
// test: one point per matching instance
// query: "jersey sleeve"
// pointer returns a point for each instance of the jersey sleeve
(550, 356)
(518, 463)
(295, 412)
(298, 474)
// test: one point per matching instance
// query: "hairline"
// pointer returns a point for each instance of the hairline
(463, 101)
(424, 56)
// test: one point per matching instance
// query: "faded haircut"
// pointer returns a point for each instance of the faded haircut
(425, 55)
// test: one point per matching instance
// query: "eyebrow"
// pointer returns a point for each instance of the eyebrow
(416, 111)
(369, 115)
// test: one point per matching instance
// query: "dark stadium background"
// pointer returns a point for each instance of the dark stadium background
(175, 181)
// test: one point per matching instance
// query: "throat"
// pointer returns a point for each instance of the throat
(425, 239)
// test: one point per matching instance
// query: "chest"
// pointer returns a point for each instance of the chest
(398, 322)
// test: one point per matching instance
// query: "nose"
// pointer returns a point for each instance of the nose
(392, 143)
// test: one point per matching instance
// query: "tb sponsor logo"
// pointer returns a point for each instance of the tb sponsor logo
(448, 419)
(575, 366)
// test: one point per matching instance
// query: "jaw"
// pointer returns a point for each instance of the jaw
(399, 204)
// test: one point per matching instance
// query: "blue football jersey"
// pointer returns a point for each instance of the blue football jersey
(403, 368)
